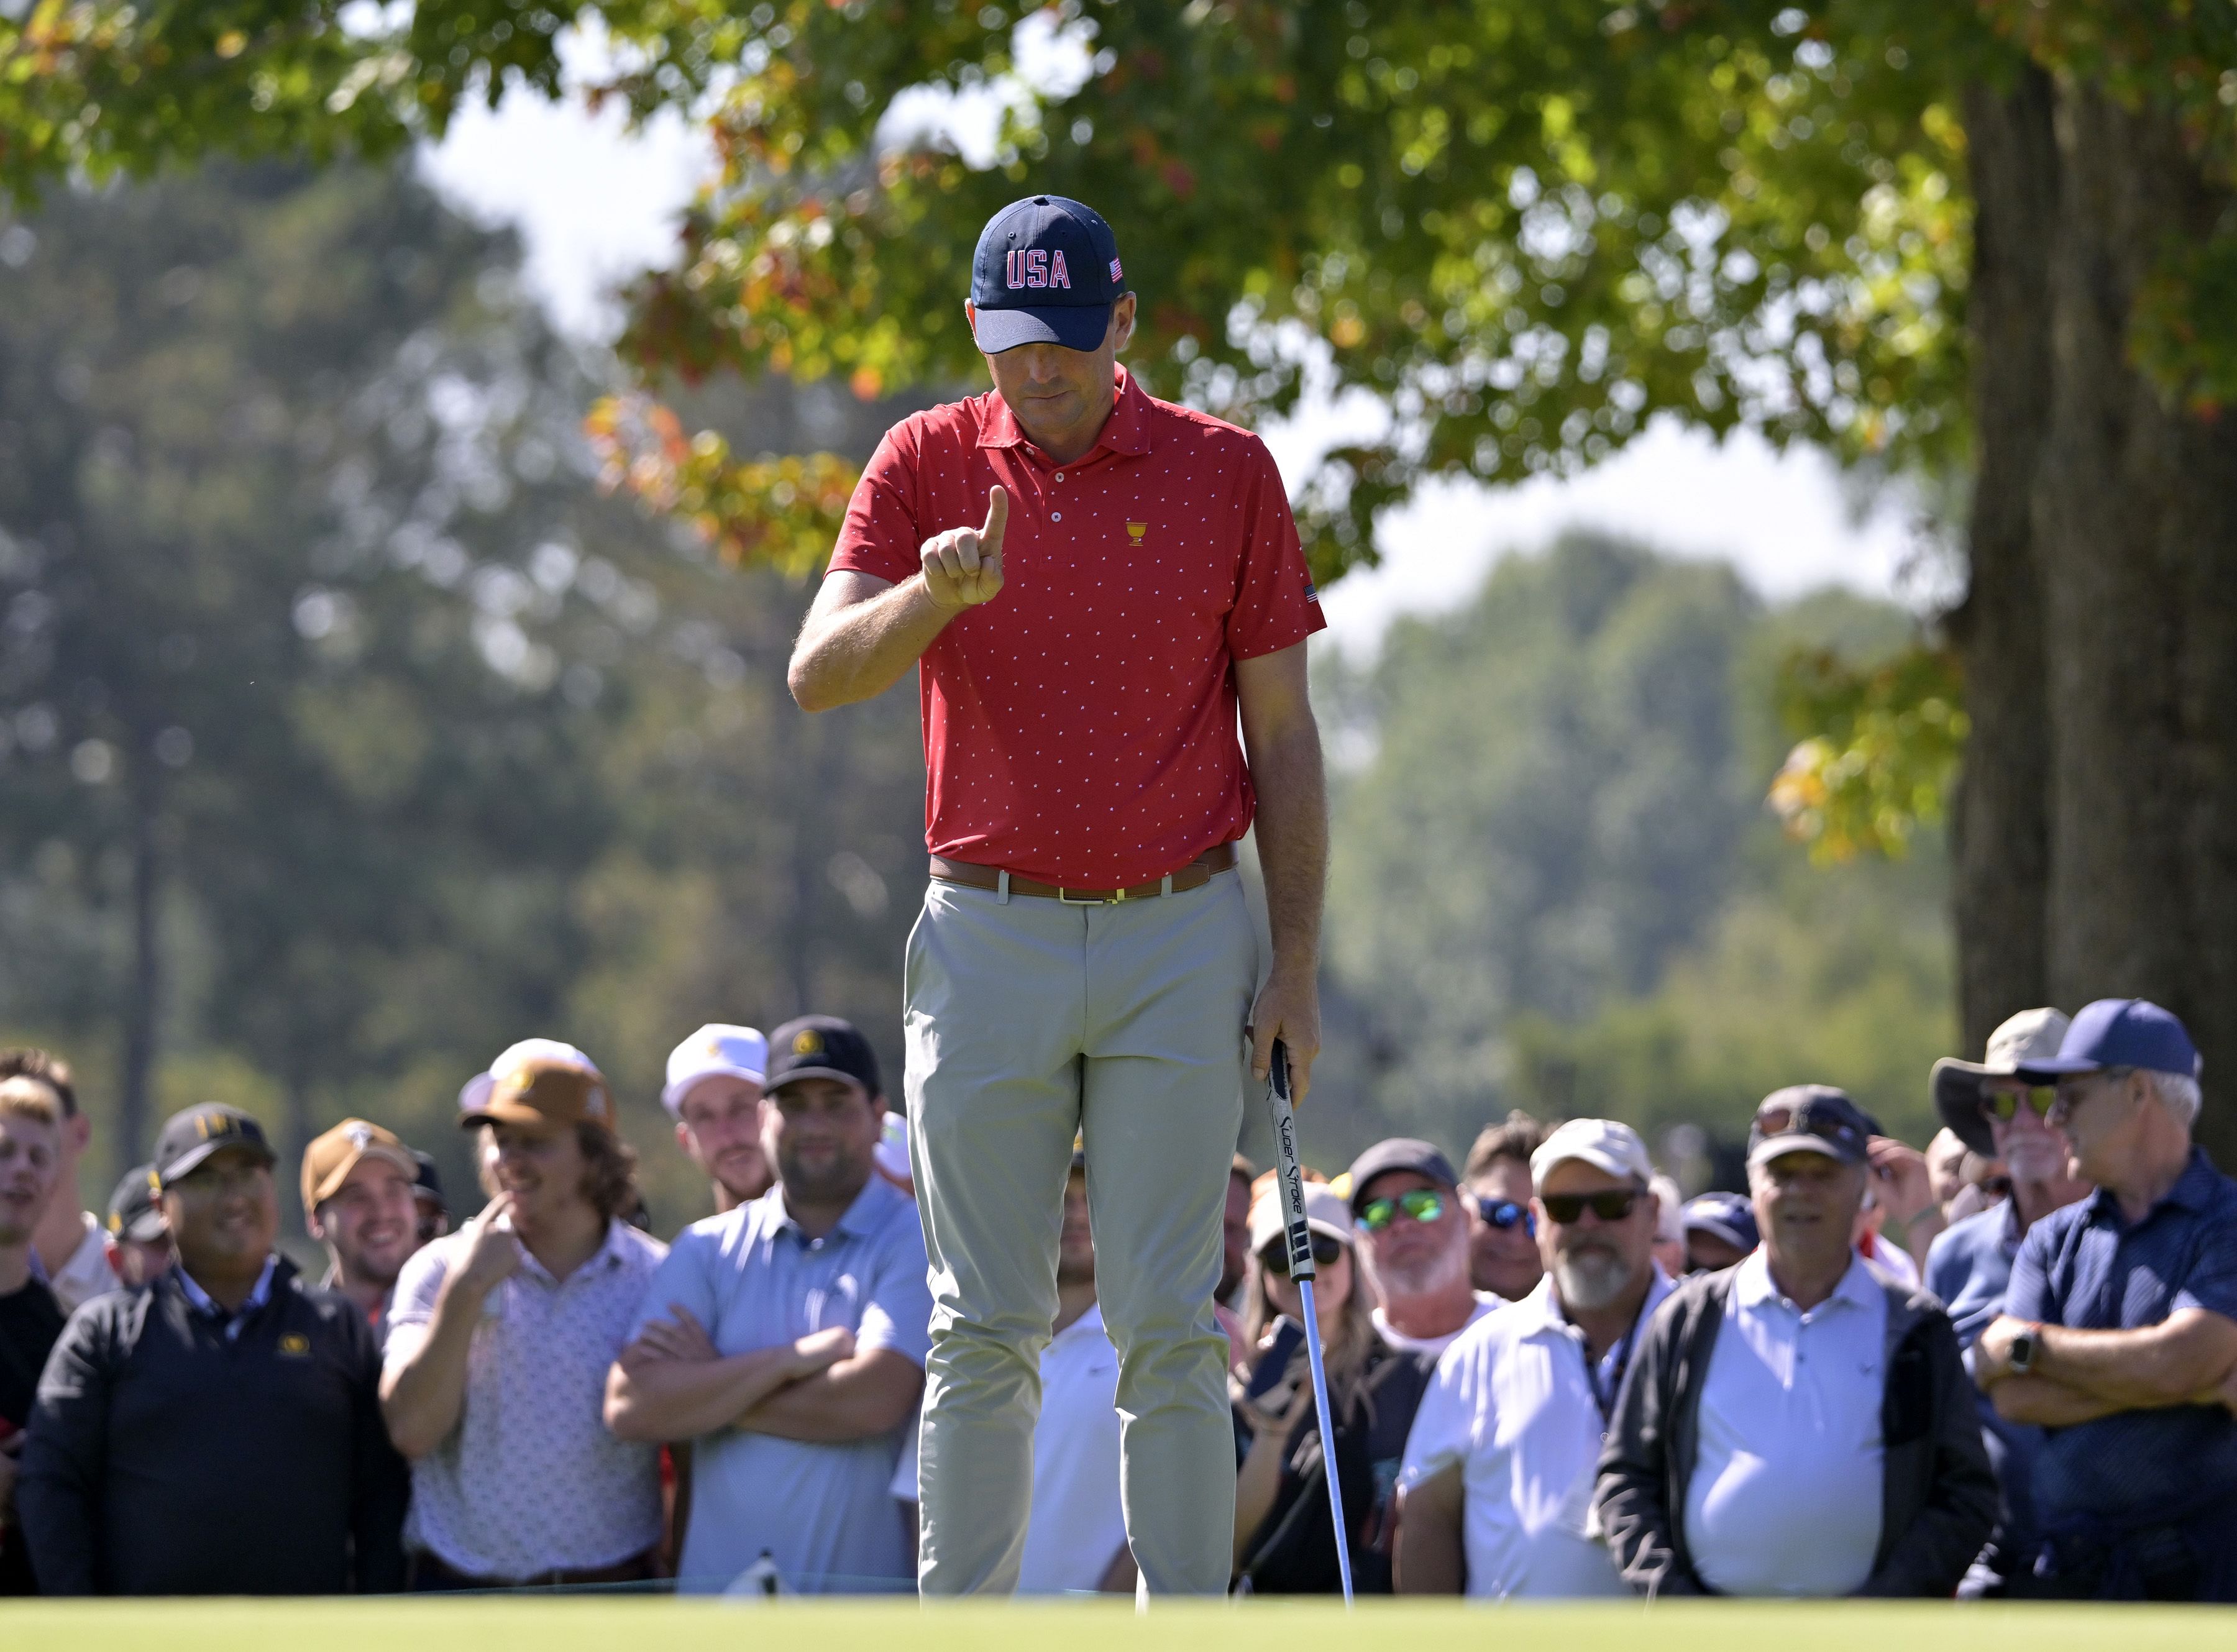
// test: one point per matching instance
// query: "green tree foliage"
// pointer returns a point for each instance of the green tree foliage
(1555, 885)
(322, 649)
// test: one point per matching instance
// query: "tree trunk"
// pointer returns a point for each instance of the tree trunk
(2136, 531)
(143, 1005)
(2000, 819)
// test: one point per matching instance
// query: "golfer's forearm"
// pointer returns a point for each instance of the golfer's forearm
(680, 1399)
(859, 651)
(1293, 839)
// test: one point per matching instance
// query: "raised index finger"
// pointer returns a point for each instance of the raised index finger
(998, 517)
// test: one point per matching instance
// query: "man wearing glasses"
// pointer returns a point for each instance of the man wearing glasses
(1405, 1201)
(1799, 1424)
(2119, 1333)
(1495, 1188)
(1998, 1114)
(1497, 1484)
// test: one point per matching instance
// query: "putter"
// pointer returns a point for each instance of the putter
(1292, 1177)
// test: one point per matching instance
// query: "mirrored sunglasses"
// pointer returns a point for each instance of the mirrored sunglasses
(2003, 1105)
(1423, 1204)
(1503, 1214)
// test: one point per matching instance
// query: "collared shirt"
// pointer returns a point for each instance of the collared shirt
(1971, 1264)
(1078, 1526)
(1786, 1490)
(1080, 728)
(1514, 1403)
(2086, 1267)
(1431, 1348)
(85, 1273)
(229, 1320)
(822, 1512)
(530, 1481)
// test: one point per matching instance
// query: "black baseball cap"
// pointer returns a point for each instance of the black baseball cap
(1810, 1118)
(1399, 1153)
(428, 1183)
(132, 1212)
(189, 1137)
(821, 1047)
(1047, 271)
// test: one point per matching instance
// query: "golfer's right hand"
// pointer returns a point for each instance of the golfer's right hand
(963, 567)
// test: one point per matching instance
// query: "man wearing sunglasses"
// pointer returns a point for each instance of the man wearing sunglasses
(1799, 1424)
(1495, 1188)
(1994, 1112)
(2119, 1333)
(1406, 1204)
(1497, 1486)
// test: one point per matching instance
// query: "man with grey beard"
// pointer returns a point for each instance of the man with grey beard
(1414, 1243)
(1496, 1488)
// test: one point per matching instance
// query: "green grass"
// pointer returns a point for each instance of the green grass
(610, 1625)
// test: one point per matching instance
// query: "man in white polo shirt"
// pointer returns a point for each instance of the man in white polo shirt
(1798, 1424)
(714, 1094)
(786, 1342)
(1497, 1485)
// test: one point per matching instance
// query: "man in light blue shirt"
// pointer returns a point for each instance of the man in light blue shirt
(786, 1342)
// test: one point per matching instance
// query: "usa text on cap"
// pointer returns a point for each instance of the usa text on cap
(1047, 271)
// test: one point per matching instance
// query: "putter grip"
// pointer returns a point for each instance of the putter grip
(1288, 1174)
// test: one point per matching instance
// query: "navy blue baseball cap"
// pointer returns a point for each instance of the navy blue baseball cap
(1809, 1118)
(2118, 1032)
(1047, 271)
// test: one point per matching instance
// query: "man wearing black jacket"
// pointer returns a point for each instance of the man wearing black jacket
(1797, 1423)
(218, 1433)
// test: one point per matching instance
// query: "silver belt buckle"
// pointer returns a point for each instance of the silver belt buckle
(1063, 899)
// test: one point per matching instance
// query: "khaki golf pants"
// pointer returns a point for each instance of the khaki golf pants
(1027, 1020)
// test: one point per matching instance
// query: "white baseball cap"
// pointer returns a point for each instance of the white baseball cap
(735, 1052)
(892, 1153)
(1325, 1213)
(1600, 1143)
(477, 1089)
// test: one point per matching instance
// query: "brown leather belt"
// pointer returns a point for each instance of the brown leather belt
(636, 1569)
(1195, 875)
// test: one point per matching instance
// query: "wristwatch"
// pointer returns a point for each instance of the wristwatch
(2025, 1346)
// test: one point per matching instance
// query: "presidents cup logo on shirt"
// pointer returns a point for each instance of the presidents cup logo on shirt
(1136, 529)
(295, 1345)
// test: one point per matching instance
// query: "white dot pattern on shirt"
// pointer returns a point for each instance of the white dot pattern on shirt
(1081, 728)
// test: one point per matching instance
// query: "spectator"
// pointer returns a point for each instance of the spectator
(1798, 1424)
(1503, 1257)
(2119, 1331)
(219, 1432)
(31, 1124)
(139, 1243)
(1284, 1538)
(1994, 1114)
(1719, 1231)
(1964, 1183)
(786, 1340)
(714, 1093)
(1235, 1254)
(499, 1341)
(428, 1199)
(357, 1202)
(1499, 1468)
(1406, 1201)
(1669, 1225)
(1899, 1201)
(71, 1249)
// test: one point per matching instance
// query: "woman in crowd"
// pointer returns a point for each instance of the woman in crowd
(1284, 1539)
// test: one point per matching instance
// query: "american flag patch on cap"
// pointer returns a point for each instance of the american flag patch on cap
(1114, 269)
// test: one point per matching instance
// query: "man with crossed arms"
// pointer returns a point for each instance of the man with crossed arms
(1094, 584)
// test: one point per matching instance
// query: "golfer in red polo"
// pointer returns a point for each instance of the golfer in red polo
(1095, 584)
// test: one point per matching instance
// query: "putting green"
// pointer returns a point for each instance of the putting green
(662, 1625)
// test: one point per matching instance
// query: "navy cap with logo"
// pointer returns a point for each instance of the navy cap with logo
(190, 1137)
(1047, 271)
(2118, 1032)
(1809, 1118)
(132, 1212)
(821, 1047)
(1399, 1153)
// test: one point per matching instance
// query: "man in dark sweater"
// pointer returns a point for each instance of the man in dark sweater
(30, 1318)
(219, 1432)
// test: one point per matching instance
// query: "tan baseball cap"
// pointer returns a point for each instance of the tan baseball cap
(328, 1160)
(543, 1092)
